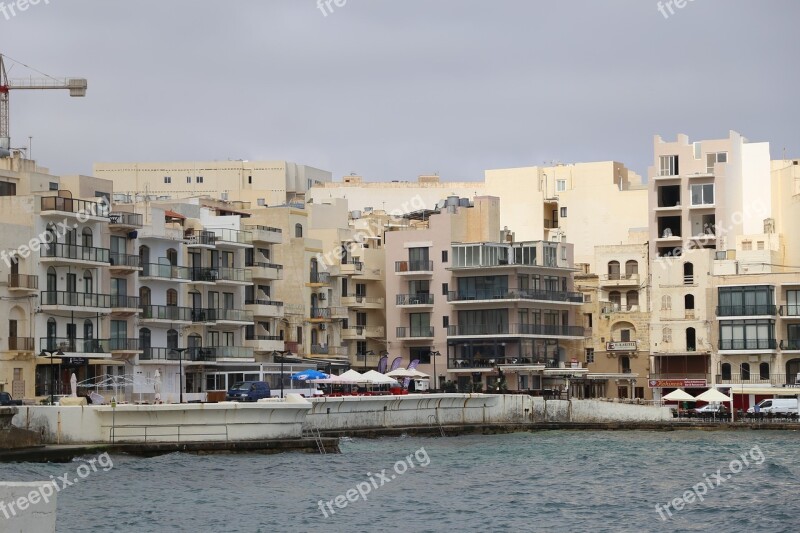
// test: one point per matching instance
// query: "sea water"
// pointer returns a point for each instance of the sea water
(727, 481)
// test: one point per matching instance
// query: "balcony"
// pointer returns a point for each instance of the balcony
(124, 345)
(167, 314)
(76, 346)
(619, 280)
(124, 221)
(363, 302)
(200, 239)
(198, 354)
(788, 345)
(72, 254)
(264, 343)
(266, 271)
(541, 330)
(232, 238)
(754, 344)
(414, 332)
(414, 300)
(350, 267)
(516, 294)
(266, 234)
(70, 207)
(155, 272)
(491, 362)
(319, 279)
(233, 316)
(75, 301)
(790, 312)
(747, 310)
(265, 308)
(231, 352)
(320, 314)
(754, 378)
(23, 282)
(125, 262)
(21, 344)
(609, 308)
(413, 267)
(121, 304)
(362, 333)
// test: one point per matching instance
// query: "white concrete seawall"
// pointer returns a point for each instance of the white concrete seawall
(279, 419)
(27, 507)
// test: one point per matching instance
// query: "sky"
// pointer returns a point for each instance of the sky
(391, 89)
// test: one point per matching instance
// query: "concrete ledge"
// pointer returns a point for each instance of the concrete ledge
(28, 507)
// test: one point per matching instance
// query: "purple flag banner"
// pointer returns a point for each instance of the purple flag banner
(396, 363)
(383, 363)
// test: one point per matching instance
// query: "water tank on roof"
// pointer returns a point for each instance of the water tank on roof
(452, 201)
(463, 202)
(355, 214)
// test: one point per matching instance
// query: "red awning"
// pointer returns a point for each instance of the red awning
(173, 214)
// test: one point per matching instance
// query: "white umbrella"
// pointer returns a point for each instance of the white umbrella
(376, 378)
(678, 395)
(406, 373)
(714, 395)
(354, 376)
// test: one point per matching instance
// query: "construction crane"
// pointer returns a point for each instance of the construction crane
(76, 87)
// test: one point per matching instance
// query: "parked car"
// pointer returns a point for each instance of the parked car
(710, 408)
(248, 391)
(776, 405)
(6, 399)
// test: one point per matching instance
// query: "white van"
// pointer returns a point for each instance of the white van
(776, 405)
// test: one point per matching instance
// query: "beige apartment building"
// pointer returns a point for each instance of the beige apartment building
(616, 314)
(260, 183)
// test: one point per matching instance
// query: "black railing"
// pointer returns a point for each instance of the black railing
(203, 238)
(790, 310)
(320, 312)
(72, 205)
(515, 329)
(516, 294)
(166, 312)
(124, 345)
(75, 299)
(217, 315)
(742, 344)
(125, 219)
(73, 251)
(414, 332)
(489, 361)
(23, 281)
(413, 266)
(790, 344)
(264, 265)
(66, 344)
(234, 274)
(263, 302)
(127, 302)
(320, 277)
(746, 310)
(415, 299)
(125, 260)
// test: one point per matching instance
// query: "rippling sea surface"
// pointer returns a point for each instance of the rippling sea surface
(542, 481)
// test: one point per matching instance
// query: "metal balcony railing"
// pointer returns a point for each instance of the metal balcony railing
(750, 344)
(75, 299)
(125, 260)
(75, 345)
(126, 302)
(414, 299)
(515, 329)
(516, 294)
(413, 266)
(201, 238)
(166, 312)
(320, 312)
(790, 310)
(124, 345)
(263, 302)
(414, 332)
(320, 277)
(153, 270)
(125, 219)
(746, 310)
(224, 315)
(72, 205)
(73, 251)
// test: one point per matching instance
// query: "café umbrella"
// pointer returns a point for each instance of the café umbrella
(679, 395)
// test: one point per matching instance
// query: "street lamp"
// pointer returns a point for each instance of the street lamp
(50, 353)
(180, 351)
(433, 355)
(281, 353)
(368, 352)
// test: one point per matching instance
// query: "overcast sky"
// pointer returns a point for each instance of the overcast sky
(391, 89)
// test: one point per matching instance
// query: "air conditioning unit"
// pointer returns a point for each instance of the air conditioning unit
(322, 327)
(322, 297)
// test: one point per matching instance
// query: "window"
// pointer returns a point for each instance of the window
(188, 179)
(172, 297)
(250, 180)
(561, 185)
(420, 353)
(703, 194)
(691, 340)
(199, 179)
(167, 179)
(298, 231)
(745, 369)
(589, 355)
(760, 245)
(688, 274)
(688, 302)
(726, 371)
(445, 289)
(792, 303)
(444, 256)
(588, 319)
(714, 158)
(763, 371)
(563, 212)
(747, 246)
(445, 321)
(53, 186)
(613, 270)
(666, 335)
(747, 335)
(668, 165)
(632, 298)
(748, 300)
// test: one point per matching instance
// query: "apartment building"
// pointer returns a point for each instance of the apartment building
(260, 183)
(616, 313)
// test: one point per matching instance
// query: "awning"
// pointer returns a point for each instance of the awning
(764, 391)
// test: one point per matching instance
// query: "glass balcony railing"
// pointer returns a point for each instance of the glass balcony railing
(124, 302)
(75, 345)
(748, 344)
(125, 260)
(516, 294)
(414, 332)
(414, 299)
(413, 266)
(221, 315)
(122, 218)
(153, 270)
(166, 312)
(232, 236)
(73, 251)
(515, 329)
(72, 205)
(75, 299)
(747, 310)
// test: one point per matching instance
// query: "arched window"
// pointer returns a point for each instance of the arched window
(688, 273)
(666, 335)
(298, 231)
(50, 241)
(688, 302)
(52, 341)
(88, 283)
(632, 298)
(613, 270)
(314, 271)
(691, 343)
(666, 302)
(726, 371)
(172, 339)
(86, 238)
(631, 268)
(172, 257)
(172, 297)
(745, 371)
(145, 343)
(763, 371)
(144, 254)
(144, 296)
(615, 297)
(52, 280)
